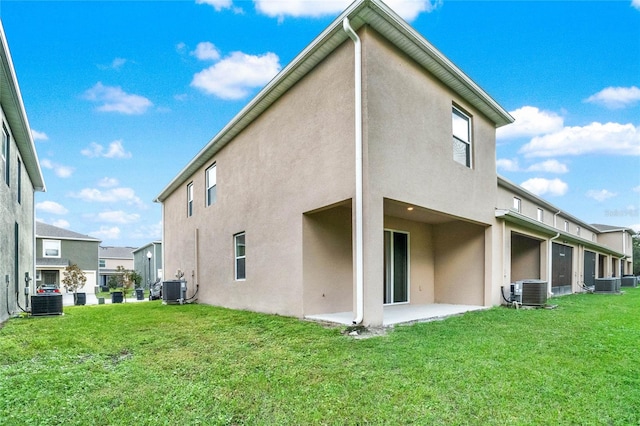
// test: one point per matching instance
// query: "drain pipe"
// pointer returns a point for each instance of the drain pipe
(359, 192)
(550, 263)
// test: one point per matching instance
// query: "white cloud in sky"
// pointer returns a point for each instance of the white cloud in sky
(51, 207)
(117, 216)
(39, 136)
(114, 195)
(616, 97)
(107, 233)
(541, 186)
(116, 64)
(636, 4)
(507, 165)
(637, 188)
(549, 166)
(233, 77)
(115, 150)
(149, 232)
(530, 121)
(114, 99)
(107, 182)
(61, 223)
(408, 10)
(60, 170)
(206, 51)
(595, 138)
(600, 194)
(218, 5)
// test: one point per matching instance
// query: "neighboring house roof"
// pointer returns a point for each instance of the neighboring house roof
(517, 189)
(608, 228)
(44, 230)
(362, 12)
(13, 107)
(115, 252)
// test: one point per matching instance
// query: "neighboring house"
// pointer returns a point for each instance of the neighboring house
(20, 178)
(57, 248)
(621, 239)
(311, 204)
(148, 262)
(109, 258)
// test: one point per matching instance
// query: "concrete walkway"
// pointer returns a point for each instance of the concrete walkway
(67, 299)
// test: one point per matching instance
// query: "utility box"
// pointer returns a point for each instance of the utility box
(174, 291)
(534, 292)
(629, 281)
(607, 285)
(46, 304)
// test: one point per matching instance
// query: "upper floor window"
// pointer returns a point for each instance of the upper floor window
(566, 226)
(50, 248)
(19, 181)
(517, 204)
(4, 154)
(540, 216)
(240, 255)
(190, 199)
(102, 263)
(578, 230)
(211, 185)
(461, 125)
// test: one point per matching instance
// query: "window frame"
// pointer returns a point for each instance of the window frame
(4, 154)
(190, 199)
(239, 257)
(540, 215)
(566, 226)
(102, 263)
(19, 181)
(208, 194)
(57, 243)
(517, 204)
(456, 111)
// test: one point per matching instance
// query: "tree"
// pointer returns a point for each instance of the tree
(74, 278)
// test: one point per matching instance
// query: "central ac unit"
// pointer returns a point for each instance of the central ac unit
(534, 292)
(607, 285)
(50, 304)
(174, 291)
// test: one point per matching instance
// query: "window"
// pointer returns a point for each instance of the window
(19, 181)
(211, 185)
(4, 154)
(190, 200)
(240, 255)
(578, 230)
(517, 204)
(102, 263)
(566, 226)
(51, 248)
(540, 215)
(461, 125)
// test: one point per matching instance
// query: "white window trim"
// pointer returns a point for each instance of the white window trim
(44, 249)
(236, 257)
(208, 184)
(517, 207)
(540, 215)
(190, 199)
(455, 110)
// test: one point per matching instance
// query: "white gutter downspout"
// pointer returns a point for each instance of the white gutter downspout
(550, 264)
(359, 192)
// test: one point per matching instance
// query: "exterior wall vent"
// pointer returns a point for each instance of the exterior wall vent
(50, 304)
(607, 285)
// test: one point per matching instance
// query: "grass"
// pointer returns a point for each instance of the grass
(149, 364)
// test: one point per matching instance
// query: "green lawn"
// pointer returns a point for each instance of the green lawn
(148, 364)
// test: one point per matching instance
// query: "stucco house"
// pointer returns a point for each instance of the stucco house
(109, 258)
(359, 185)
(57, 248)
(148, 262)
(20, 178)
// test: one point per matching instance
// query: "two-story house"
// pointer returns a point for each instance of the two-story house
(20, 178)
(57, 248)
(360, 185)
(148, 262)
(109, 258)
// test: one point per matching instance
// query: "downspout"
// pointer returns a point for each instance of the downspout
(359, 191)
(550, 263)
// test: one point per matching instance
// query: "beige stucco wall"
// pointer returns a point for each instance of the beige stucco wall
(296, 157)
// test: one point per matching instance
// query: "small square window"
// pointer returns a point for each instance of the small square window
(190, 200)
(51, 248)
(578, 230)
(240, 256)
(211, 185)
(517, 204)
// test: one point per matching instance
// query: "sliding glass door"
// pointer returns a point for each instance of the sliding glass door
(396, 267)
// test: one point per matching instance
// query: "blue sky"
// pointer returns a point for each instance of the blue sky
(121, 95)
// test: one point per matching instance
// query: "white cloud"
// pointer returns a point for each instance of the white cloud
(595, 138)
(39, 136)
(107, 233)
(51, 207)
(115, 150)
(117, 216)
(529, 122)
(541, 186)
(616, 97)
(234, 76)
(636, 4)
(114, 99)
(507, 165)
(217, 4)
(637, 188)
(114, 195)
(107, 182)
(206, 51)
(60, 170)
(181, 47)
(61, 223)
(116, 64)
(149, 232)
(549, 166)
(600, 195)
(408, 10)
